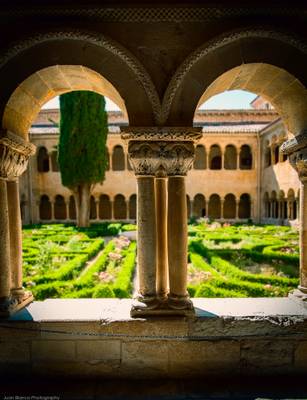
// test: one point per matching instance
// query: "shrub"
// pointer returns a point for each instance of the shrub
(103, 291)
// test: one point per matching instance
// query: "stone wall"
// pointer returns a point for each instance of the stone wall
(98, 338)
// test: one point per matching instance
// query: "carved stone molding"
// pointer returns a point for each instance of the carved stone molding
(97, 39)
(165, 133)
(298, 160)
(161, 158)
(294, 144)
(14, 155)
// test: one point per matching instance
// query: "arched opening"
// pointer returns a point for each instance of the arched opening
(23, 205)
(93, 210)
(59, 208)
(132, 206)
(214, 207)
(274, 205)
(120, 207)
(268, 157)
(246, 158)
(45, 213)
(230, 157)
(229, 206)
(43, 160)
(200, 161)
(215, 157)
(245, 206)
(72, 208)
(105, 207)
(276, 154)
(199, 206)
(266, 203)
(54, 161)
(118, 159)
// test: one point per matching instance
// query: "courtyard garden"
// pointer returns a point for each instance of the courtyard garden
(62, 261)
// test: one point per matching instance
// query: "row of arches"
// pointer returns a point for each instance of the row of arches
(101, 208)
(230, 158)
(48, 161)
(273, 155)
(216, 207)
(281, 207)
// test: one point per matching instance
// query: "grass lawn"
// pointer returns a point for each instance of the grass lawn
(61, 261)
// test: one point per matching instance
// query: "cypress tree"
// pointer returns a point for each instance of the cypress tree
(82, 147)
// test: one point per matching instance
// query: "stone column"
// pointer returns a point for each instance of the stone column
(67, 209)
(112, 209)
(222, 208)
(162, 264)
(52, 210)
(97, 208)
(237, 208)
(296, 149)
(14, 155)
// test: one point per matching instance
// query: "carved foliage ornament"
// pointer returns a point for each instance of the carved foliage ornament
(161, 158)
(298, 161)
(165, 133)
(14, 155)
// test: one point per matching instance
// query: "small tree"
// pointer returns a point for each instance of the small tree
(82, 148)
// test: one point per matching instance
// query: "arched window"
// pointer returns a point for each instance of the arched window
(229, 206)
(54, 161)
(199, 206)
(45, 208)
(59, 208)
(276, 154)
(268, 157)
(214, 207)
(246, 159)
(128, 164)
(93, 212)
(245, 206)
(105, 211)
(266, 205)
(215, 157)
(107, 160)
(72, 208)
(132, 207)
(120, 207)
(118, 159)
(274, 205)
(200, 158)
(42, 160)
(230, 157)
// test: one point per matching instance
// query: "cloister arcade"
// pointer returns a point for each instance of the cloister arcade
(158, 63)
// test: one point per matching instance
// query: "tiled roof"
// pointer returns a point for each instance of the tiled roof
(233, 128)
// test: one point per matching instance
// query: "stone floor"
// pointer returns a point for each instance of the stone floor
(249, 388)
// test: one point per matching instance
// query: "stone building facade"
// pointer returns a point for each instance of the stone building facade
(238, 172)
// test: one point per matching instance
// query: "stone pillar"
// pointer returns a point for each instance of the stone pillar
(67, 209)
(238, 159)
(222, 208)
(112, 209)
(97, 208)
(237, 208)
(14, 155)
(296, 149)
(52, 210)
(162, 263)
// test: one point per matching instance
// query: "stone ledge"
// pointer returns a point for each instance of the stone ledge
(87, 337)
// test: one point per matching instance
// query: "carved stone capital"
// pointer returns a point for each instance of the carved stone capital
(298, 160)
(161, 158)
(292, 145)
(14, 155)
(165, 133)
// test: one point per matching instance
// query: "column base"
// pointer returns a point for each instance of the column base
(161, 308)
(299, 295)
(10, 305)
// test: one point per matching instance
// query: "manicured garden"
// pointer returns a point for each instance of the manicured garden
(62, 261)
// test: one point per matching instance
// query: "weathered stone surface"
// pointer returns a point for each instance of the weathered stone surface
(300, 356)
(98, 350)
(14, 352)
(53, 350)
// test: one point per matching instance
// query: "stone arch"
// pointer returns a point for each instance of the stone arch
(60, 61)
(267, 156)
(215, 157)
(214, 207)
(257, 60)
(132, 206)
(45, 213)
(59, 208)
(230, 157)
(93, 210)
(43, 161)
(199, 205)
(105, 207)
(276, 154)
(245, 206)
(200, 161)
(72, 208)
(229, 207)
(118, 158)
(266, 201)
(120, 207)
(246, 157)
